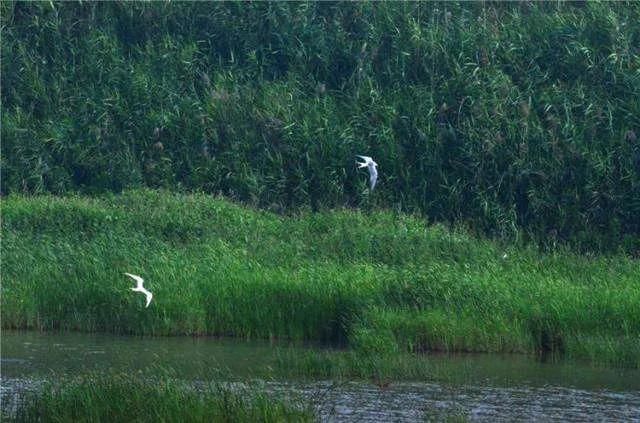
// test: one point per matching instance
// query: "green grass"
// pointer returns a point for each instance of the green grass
(378, 282)
(108, 397)
(517, 119)
(126, 397)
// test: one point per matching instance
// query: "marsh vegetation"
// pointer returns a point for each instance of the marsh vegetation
(380, 282)
(210, 148)
(519, 119)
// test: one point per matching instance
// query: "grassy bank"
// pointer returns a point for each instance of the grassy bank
(515, 118)
(379, 282)
(107, 398)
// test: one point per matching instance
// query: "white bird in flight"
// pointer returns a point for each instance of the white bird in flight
(140, 288)
(373, 169)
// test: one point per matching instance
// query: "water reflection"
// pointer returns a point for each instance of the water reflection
(481, 387)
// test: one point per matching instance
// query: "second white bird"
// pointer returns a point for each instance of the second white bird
(140, 288)
(373, 169)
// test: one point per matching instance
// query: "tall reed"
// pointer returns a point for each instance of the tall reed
(516, 119)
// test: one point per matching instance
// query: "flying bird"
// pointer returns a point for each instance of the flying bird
(373, 169)
(140, 288)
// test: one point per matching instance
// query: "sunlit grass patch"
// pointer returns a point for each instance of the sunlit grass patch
(378, 280)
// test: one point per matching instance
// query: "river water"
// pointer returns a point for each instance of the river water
(481, 387)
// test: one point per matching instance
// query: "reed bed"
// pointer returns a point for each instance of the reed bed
(378, 282)
(516, 119)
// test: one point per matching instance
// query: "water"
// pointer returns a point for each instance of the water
(481, 387)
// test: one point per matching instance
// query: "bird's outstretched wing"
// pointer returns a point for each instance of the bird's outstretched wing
(138, 279)
(149, 297)
(367, 159)
(373, 177)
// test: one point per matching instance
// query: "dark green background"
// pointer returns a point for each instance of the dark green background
(513, 119)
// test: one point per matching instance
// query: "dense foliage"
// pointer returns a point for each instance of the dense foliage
(514, 118)
(381, 282)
